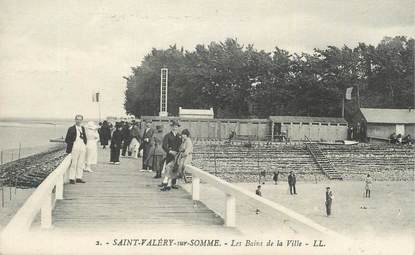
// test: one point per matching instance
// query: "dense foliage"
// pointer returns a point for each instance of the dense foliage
(240, 81)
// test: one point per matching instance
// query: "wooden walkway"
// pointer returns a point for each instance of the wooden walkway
(120, 197)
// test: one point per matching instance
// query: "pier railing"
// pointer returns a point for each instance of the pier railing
(42, 200)
(234, 192)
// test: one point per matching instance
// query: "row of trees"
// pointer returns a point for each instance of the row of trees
(240, 81)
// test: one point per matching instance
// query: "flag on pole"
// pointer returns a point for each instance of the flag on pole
(95, 97)
(349, 93)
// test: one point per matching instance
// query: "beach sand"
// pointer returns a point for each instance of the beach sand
(384, 219)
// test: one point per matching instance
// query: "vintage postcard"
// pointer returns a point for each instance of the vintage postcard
(207, 127)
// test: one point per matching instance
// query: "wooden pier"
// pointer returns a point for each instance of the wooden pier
(119, 197)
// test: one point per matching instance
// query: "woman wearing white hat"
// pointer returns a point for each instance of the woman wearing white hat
(91, 146)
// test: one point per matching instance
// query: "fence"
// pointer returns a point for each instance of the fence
(255, 129)
(219, 129)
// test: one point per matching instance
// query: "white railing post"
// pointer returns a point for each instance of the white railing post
(195, 187)
(66, 176)
(230, 211)
(59, 187)
(46, 212)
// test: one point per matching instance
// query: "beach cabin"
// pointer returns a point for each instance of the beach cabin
(296, 128)
(377, 124)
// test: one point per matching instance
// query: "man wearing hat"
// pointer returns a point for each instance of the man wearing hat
(171, 145)
(146, 145)
(157, 152)
(291, 182)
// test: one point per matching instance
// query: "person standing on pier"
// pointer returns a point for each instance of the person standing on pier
(185, 153)
(126, 138)
(171, 145)
(146, 144)
(115, 146)
(157, 153)
(105, 134)
(76, 141)
(175, 168)
(135, 141)
(91, 146)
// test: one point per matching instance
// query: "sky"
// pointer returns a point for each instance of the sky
(55, 53)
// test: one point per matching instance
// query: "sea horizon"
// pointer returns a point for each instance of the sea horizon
(37, 119)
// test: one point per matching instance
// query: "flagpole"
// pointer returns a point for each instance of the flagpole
(99, 110)
(99, 106)
(343, 106)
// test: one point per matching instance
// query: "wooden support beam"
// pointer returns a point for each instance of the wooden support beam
(230, 211)
(59, 187)
(195, 188)
(46, 212)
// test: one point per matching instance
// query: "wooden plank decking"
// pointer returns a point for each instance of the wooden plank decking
(119, 197)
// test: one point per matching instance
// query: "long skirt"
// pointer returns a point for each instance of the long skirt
(91, 154)
(115, 155)
(157, 163)
(134, 147)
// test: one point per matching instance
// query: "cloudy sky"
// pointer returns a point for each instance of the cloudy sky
(55, 53)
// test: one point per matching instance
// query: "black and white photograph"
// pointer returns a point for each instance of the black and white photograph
(207, 127)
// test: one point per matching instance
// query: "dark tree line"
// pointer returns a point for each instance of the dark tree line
(240, 81)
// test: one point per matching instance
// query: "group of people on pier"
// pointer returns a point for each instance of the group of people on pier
(164, 154)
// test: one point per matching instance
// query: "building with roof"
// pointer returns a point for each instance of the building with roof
(196, 113)
(379, 124)
(315, 128)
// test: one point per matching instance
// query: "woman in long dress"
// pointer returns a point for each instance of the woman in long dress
(135, 144)
(105, 134)
(185, 153)
(91, 146)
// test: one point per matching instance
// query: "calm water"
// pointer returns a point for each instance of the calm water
(31, 133)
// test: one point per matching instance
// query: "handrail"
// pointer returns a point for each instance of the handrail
(308, 146)
(40, 200)
(232, 192)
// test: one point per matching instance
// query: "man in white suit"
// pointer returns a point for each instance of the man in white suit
(76, 141)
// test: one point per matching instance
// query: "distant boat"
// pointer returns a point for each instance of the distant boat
(340, 142)
(57, 140)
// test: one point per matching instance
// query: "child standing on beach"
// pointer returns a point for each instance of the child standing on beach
(275, 177)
